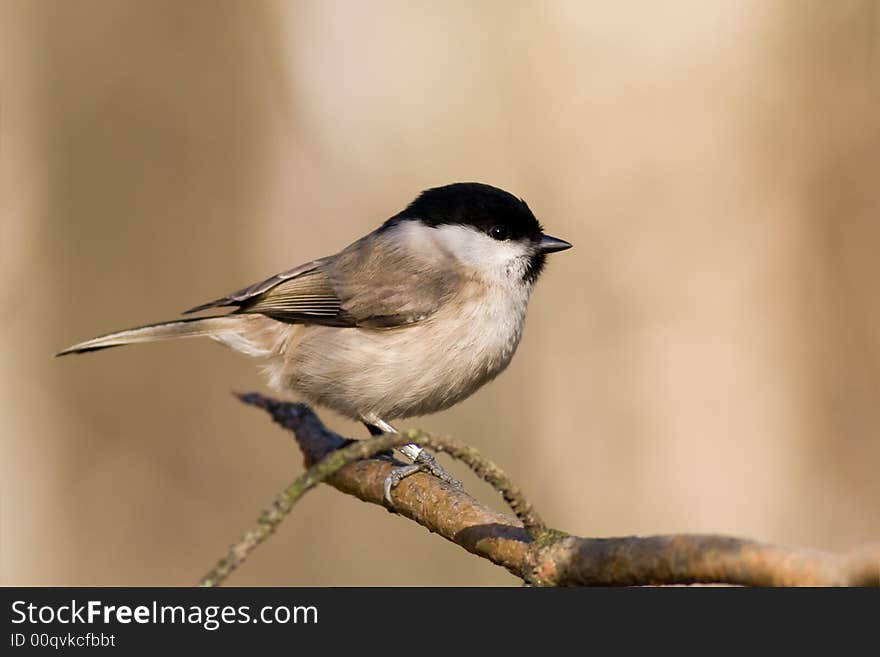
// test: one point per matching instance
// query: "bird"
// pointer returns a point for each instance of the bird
(408, 320)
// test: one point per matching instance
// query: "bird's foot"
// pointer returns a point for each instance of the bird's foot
(424, 462)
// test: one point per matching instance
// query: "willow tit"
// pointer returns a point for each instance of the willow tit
(408, 320)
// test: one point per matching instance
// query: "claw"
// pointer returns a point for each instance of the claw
(397, 475)
(429, 464)
(424, 462)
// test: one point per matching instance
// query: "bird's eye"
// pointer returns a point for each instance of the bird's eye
(499, 232)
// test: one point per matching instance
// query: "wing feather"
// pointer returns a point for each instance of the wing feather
(371, 284)
(241, 296)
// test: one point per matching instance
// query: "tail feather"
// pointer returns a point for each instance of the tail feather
(227, 329)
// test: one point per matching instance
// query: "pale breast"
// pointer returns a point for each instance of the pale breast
(408, 371)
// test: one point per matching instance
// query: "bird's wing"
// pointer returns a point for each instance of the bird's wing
(359, 287)
(384, 282)
(303, 289)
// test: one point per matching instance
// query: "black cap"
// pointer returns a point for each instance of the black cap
(473, 204)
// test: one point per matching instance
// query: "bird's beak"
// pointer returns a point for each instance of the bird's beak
(552, 244)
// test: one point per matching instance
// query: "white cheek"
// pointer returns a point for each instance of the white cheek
(502, 260)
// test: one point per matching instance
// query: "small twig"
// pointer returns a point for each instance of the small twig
(539, 556)
(342, 456)
(488, 472)
(284, 501)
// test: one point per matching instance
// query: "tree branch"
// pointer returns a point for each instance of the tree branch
(524, 545)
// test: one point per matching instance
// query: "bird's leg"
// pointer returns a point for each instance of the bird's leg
(422, 460)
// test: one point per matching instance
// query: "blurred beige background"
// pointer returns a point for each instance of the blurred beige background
(706, 359)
